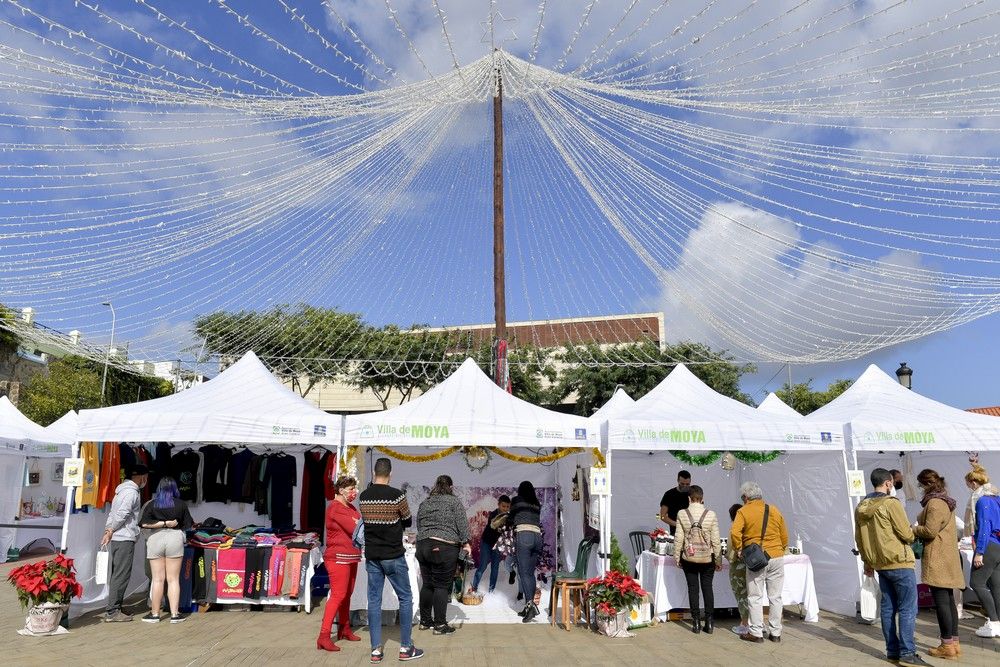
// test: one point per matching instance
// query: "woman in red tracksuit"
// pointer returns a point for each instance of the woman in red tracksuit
(341, 559)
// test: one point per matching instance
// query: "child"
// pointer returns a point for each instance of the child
(488, 552)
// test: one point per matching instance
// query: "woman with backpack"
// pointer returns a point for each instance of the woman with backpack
(341, 559)
(699, 553)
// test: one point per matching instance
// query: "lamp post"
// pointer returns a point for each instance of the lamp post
(107, 357)
(905, 375)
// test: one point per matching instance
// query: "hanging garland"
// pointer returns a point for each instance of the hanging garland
(599, 458)
(476, 458)
(410, 458)
(708, 458)
(545, 458)
(758, 457)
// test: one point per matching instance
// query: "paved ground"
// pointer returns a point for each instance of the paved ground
(253, 638)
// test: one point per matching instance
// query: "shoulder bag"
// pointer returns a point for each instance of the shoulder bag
(754, 556)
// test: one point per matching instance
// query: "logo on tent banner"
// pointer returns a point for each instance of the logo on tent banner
(905, 437)
(581, 434)
(628, 435)
(286, 430)
(366, 432)
(319, 431)
(797, 437)
(671, 435)
(425, 431)
(542, 433)
(825, 436)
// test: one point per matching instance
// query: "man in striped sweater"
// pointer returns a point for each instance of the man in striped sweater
(386, 513)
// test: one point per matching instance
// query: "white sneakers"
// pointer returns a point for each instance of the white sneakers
(989, 629)
(741, 629)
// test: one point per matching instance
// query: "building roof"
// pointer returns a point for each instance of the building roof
(993, 411)
(603, 330)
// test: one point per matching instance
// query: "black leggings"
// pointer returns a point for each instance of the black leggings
(703, 573)
(947, 613)
(985, 581)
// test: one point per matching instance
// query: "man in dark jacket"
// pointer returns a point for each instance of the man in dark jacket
(488, 552)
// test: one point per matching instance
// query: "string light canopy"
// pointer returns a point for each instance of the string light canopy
(800, 182)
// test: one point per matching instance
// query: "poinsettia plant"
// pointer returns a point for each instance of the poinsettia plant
(46, 581)
(614, 592)
(659, 533)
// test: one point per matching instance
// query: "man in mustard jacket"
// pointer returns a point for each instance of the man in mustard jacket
(883, 535)
(747, 528)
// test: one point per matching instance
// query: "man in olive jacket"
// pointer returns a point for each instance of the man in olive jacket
(883, 535)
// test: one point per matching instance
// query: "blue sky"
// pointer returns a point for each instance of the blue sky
(249, 212)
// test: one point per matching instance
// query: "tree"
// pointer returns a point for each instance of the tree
(533, 374)
(74, 383)
(803, 399)
(639, 367)
(394, 360)
(300, 344)
(9, 340)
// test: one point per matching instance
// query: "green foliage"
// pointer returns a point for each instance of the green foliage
(9, 340)
(74, 383)
(641, 366)
(401, 361)
(533, 374)
(804, 399)
(297, 343)
(619, 561)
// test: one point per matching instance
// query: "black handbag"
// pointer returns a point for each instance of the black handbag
(754, 556)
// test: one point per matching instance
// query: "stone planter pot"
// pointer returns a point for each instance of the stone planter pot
(44, 618)
(614, 626)
(663, 547)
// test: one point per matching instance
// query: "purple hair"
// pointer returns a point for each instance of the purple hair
(165, 494)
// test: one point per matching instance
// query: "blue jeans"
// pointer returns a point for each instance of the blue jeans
(488, 555)
(398, 574)
(529, 550)
(899, 595)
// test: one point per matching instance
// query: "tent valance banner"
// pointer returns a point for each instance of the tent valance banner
(683, 413)
(243, 404)
(880, 414)
(469, 409)
(20, 434)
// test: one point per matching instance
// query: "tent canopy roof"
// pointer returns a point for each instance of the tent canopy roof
(469, 409)
(20, 434)
(682, 412)
(882, 414)
(620, 400)
(775, 406)
(243, 404)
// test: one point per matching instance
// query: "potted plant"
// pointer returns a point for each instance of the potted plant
(612, 596)
(661, 542)
(45, 589)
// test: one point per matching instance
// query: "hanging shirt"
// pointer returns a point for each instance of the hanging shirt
(279, 478)
(161, 464)
(111, 473)
(87, 493)
(239, 465)
(143, 456)
(186, 467)
(313, 501)
(214, 487)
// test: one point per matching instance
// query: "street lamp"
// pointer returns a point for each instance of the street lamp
(905, 375)
(107, 357)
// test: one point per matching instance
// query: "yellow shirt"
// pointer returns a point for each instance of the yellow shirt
(87, 493)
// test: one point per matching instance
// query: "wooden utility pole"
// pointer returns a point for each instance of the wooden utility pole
(499, 283)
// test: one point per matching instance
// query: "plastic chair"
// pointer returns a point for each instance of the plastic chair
(572, 588)
(638, 538)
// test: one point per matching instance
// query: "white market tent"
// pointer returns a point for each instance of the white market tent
(469, 409)
(64, 427)
(245, 404)
(620, 400)
(808, 482)
(20, 438)
(889, 426)
(775, 406)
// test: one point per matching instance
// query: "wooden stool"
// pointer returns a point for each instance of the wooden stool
(573, 593)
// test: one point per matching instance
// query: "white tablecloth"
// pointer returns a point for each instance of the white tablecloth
(665, 582)
(359, 598)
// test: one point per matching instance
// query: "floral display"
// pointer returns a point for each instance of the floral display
(659, 534)
(614, 592)
(51, 581)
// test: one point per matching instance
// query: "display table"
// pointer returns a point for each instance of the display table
(664, 580)
(305, 597)
(31, 528)
(359, 598)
